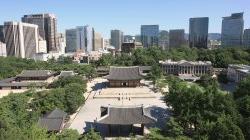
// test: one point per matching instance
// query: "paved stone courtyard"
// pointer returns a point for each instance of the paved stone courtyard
(89, 112)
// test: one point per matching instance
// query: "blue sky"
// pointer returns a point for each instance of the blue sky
(126, 15)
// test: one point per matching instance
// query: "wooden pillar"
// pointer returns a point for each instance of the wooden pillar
(142, 129)
(109, 129)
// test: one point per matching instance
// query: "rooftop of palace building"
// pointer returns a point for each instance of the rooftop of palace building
(124, 73)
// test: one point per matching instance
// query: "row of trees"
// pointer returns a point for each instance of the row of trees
(203, 111)
(150, 56)
(11, 66)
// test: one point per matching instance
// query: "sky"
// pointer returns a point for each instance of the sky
(127, 15)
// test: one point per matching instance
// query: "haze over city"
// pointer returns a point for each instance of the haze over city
(127, 15)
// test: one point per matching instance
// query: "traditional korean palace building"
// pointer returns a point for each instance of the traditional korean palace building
(34, 78)
(124, 76)
(53, 121)
(121, 120)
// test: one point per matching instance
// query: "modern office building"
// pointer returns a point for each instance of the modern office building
(3, 49)
(2, 33)
(127, 47)
(246, 38)
(89, 38)
(61, 42)
(98, 41)
(21, 39)
(116, 39)
(198, 32)
(137, 38)
(47, 24)
(80, 38)
(71, 40)
(176, 38)
(184, 67)
(164, 39)
(232, 30)
(129, 38)
(150, 35)
(237, 72)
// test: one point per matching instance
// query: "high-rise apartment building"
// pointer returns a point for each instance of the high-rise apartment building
(198, 32)
(150, 35)
(21, 39)
(47, 24)
(2, 33)
(232, 30)
(98, 41)
(164, 39)
(176, 38)
(246, 38)
(117, 39)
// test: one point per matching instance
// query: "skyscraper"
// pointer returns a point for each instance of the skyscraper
(116, 39)
(150, 35)
(21, 39)
(2, 33)
(80, 39)
(47, 24)
(246, 38)
(232, 30)
(198, 32)
(71, 40)
(98, 41)
(88, 38)
(176, 38)
(164, 39)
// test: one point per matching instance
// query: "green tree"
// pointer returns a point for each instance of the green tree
(91, 135)
(173, 129)
(74, 97)
(225, 129)
(68, 134)
(243, 88)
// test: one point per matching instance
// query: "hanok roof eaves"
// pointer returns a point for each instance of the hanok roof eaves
(36, 73)
(124, 73)
(51, 124)
(126, 116)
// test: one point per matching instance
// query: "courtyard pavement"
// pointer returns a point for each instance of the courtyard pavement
(90, 111)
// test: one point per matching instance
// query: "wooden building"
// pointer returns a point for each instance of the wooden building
(125, 120)
(124, 76)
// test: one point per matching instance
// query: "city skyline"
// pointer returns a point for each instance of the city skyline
(107, 15)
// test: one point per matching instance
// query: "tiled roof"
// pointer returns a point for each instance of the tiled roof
(53, 121)
(126, 116)
(124, 73)
(22, 84)
(66, 73)
(36, 73)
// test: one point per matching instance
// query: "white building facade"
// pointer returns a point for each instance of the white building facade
(184, 67)
(21, 39)
(236, 73)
